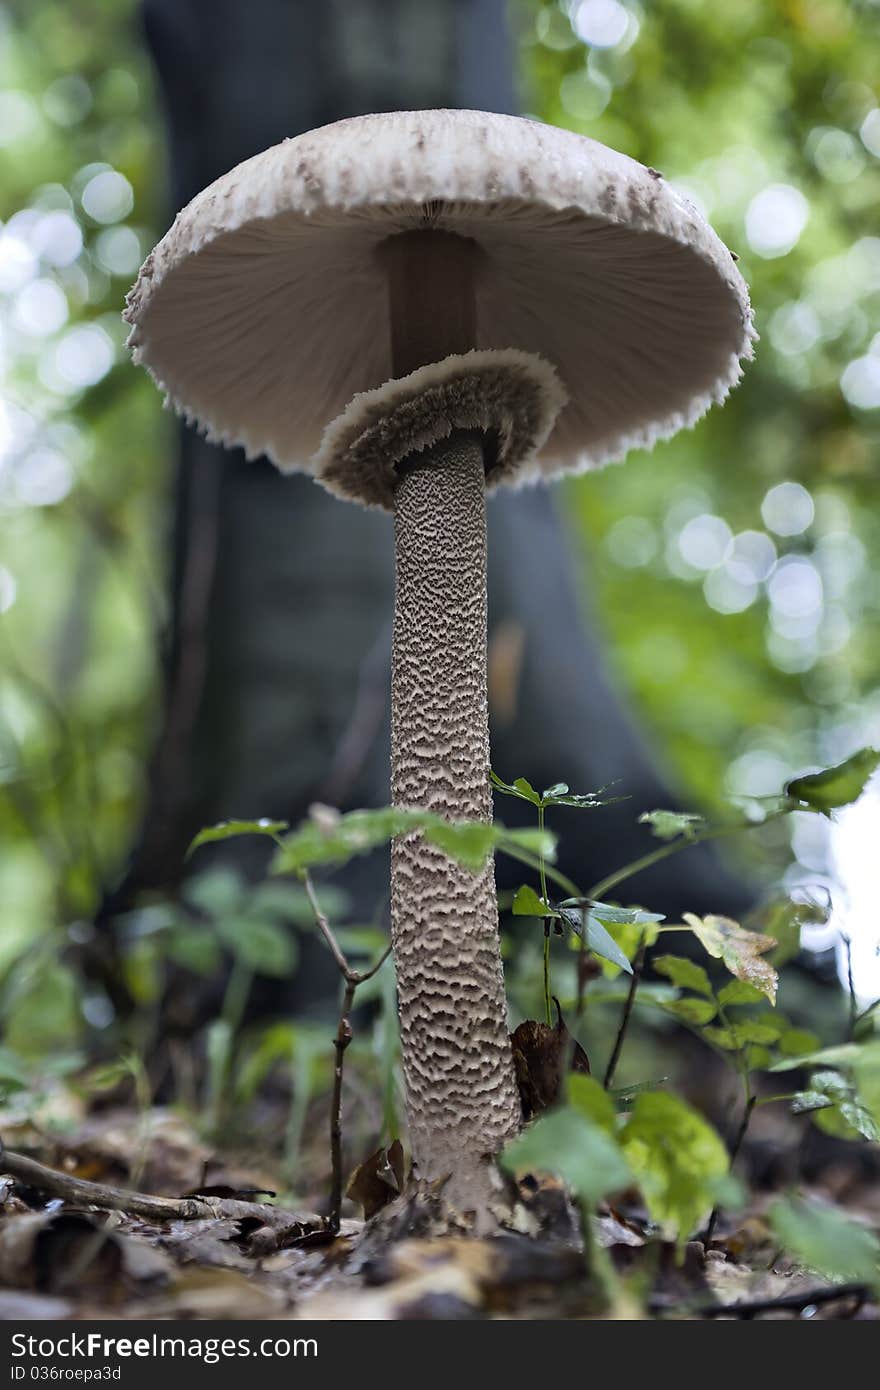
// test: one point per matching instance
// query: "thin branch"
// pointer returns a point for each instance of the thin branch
(715, 832)
(352, 979)
(356, 977)
(850, 983)
(340, 1043)
(796, 1302)
(638, 967)
(79, 1192)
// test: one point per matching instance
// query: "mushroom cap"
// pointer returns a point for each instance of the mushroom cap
(264, 309)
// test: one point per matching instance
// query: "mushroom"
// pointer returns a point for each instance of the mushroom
(393, 303)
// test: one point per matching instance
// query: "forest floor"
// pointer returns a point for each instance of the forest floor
(224, 1248)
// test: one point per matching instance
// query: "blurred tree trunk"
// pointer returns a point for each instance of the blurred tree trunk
(278, 654)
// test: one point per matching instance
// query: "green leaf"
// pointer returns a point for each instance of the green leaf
(558, 789)
(574, 911)
(684, 973)
(609, 913)
(825, 1240)
(695, 1011)
(802, 1102)
(739, 992)
(797, 1042)
(215, 891)
(835, 786)
(860, 1119)
(329, 840)
(469, 843)
(668, 825)
(226, 829)
(603, 944)
(194, 948)
(739, 949)
(843, 1055)
(526, 903)
(263, 946)
(569, 1143)
(866, 1073)
(678, 1160)
(739, 1035)
(520, 788)
(586, 1095)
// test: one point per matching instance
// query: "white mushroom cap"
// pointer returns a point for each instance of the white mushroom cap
(264, 309)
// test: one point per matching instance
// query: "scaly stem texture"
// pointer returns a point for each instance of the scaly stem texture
(462, 1100)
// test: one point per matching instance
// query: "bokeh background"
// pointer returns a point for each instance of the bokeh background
(734, 572)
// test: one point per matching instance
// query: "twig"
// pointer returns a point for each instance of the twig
(340, 1043)
(638, 967)
(794, 1301)
(735, 1147)
(79, 1192)
(850, 982)
(352, 979)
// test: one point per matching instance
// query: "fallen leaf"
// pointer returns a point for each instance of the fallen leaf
(539, 1054)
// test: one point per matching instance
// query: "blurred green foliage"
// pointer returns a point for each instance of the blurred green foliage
(734, 570)
(742, 618)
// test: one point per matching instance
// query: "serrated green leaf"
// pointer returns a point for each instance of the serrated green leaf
(669, 825)
(526, 903)
(835, 786)
(695, 1011)
(227, 829)
(684, 973)
(825, 1240)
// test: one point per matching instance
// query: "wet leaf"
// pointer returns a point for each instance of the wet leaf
(228, 829)
(741, 951)
(520, 788)
(669, 825)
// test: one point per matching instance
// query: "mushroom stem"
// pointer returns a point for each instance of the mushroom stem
(462, 1099)
(461, 1094)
